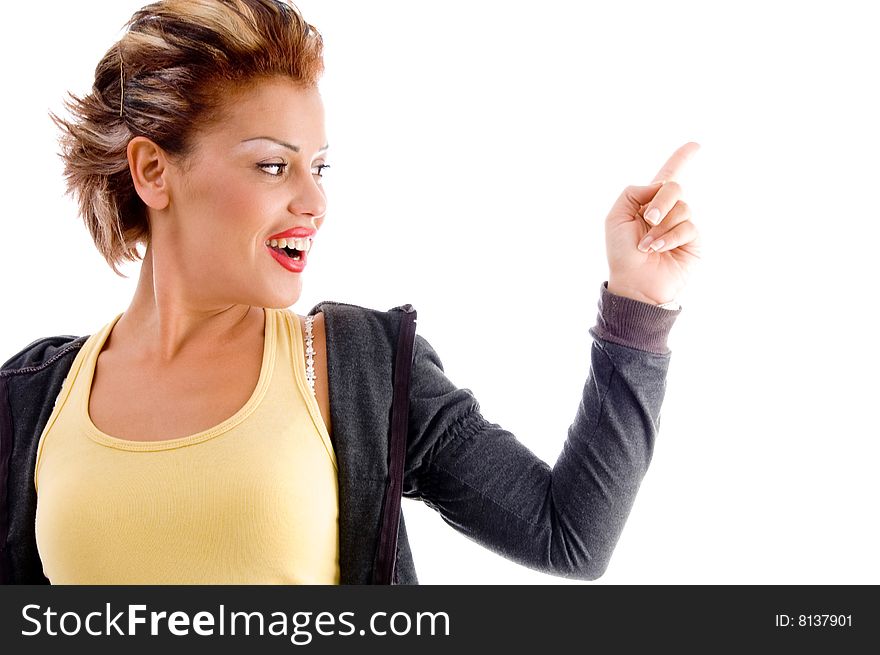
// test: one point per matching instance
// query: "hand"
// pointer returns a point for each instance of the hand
(652, 276)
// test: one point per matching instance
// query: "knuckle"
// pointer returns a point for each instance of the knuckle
(681, 233)
(672, 186)
(675, 234)
(670, 240)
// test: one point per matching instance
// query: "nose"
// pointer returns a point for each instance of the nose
(308, 199)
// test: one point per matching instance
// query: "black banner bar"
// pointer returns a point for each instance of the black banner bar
(432, 619)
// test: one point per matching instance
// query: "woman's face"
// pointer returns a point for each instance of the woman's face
(250, 177)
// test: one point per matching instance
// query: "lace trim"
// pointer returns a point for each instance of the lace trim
(310, 351)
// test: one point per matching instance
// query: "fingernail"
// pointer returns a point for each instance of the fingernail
(653, 215)
(658, 244)
(643, 244)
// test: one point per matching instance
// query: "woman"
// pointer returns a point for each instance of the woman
(132, 456)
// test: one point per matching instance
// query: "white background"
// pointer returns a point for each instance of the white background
(458, 127)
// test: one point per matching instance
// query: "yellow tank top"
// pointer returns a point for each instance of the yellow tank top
(252, 500)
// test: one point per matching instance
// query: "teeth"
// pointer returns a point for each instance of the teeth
(299, 244)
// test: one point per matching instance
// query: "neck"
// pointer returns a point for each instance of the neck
(167, 320)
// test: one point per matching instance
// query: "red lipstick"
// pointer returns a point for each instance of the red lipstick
(296, 233)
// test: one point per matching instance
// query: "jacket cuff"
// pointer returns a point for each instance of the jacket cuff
(633, 323)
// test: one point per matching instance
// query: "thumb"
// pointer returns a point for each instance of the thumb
(632, 199)
(639, 195)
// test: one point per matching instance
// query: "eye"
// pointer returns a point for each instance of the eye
(267, 168)
(320, 168)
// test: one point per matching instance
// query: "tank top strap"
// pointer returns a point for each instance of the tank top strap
(310, 355)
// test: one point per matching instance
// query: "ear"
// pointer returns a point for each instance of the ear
(149, 169)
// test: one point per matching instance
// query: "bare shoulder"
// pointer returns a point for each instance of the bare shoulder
(319, 343)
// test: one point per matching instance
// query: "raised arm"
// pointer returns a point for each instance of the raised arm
(563, 521)
(567, 520)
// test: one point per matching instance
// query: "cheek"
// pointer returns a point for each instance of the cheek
(232, 205)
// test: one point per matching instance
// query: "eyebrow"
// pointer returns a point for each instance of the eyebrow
(289, 146)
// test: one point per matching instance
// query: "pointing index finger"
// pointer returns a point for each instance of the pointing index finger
(672, 167)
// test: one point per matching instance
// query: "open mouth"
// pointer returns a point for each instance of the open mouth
(293, 253)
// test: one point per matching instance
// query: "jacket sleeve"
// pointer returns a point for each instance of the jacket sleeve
(563, 521)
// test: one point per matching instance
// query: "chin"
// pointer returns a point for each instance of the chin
(281, 299)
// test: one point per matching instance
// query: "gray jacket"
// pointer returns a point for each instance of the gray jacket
(563, 521)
